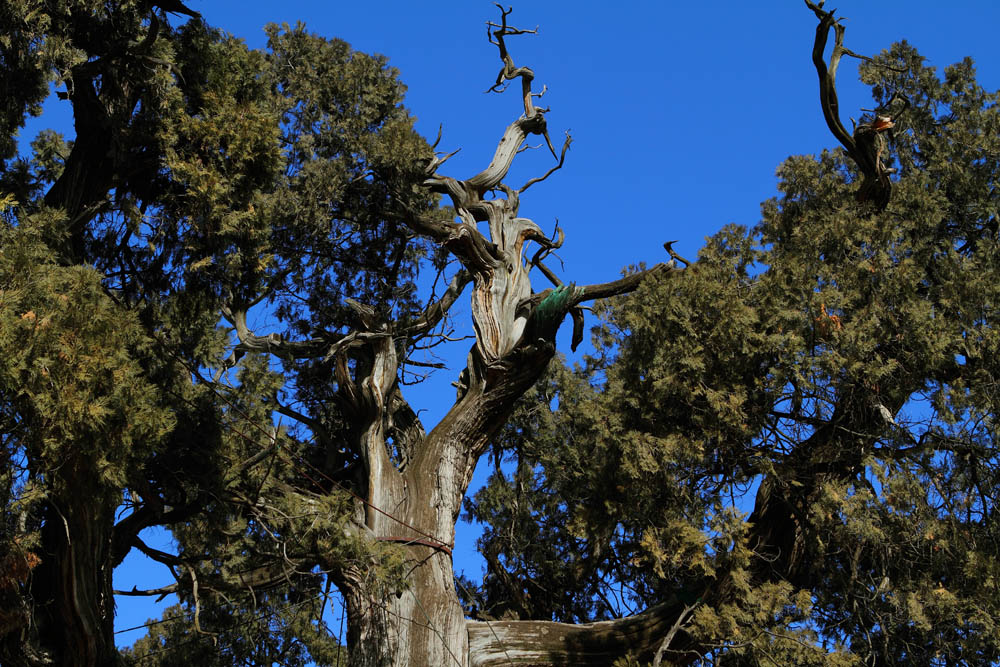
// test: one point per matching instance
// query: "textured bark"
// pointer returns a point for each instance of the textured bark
(417, 500)
(72, 621)
(410, 485)
(418, 505)
(585, 644)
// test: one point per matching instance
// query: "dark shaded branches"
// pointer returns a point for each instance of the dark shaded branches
(867, 145)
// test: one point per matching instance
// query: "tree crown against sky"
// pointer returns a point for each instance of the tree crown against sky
(836, 360)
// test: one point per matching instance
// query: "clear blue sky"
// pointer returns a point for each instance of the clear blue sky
(680, 113)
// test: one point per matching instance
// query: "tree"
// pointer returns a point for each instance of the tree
(197, 166)
(835, 361)
(836, 364)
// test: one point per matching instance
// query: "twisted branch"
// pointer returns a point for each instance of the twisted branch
(867, 145)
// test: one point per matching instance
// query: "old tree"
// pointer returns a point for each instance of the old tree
(832, 371)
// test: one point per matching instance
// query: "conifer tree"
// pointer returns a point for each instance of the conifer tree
(833, 367)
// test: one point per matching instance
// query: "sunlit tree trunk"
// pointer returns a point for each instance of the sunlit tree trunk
(414, 499)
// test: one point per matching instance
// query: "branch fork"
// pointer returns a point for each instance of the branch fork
(867, 145)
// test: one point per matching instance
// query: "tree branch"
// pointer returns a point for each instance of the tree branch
(275, 344)
(828, 76)
(510, 71)
(436, 311)
(867, 145)
(160, 592)
(623, 285)
(562, 157)
(495, 643)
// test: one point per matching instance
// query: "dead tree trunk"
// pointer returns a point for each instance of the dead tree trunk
(867, 145)
(515, 331)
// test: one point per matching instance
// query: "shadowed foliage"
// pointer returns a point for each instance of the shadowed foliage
(781, 453)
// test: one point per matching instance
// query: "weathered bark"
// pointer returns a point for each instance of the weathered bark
(417, 501)
(418, 505)
(585, 644)
(410, 485)
(867, 144)
(72, 619)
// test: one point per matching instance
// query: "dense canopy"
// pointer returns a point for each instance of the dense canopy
(215, 293)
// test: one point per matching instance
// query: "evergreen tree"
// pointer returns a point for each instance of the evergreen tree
(833, 367)
(203, 177)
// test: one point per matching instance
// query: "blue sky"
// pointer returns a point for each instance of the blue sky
(680, 113)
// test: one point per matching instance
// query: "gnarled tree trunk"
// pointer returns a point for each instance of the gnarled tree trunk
(412, 484)
(415, 497)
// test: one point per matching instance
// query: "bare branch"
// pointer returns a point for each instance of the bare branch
(197, 603)
(578, 322)
(508, 147)
(273, 343)
(438, 161)
(160, 592)
(867, 145)
(313, 425)
(510, 71)
(436, 311)
(546, 248)
(665, 644)
(425, 224)
(426, 364)
(277, 345)
(669, 247)
(562, 157)
(548, 273)
(621, 286)
(828, 76)
(163, 557)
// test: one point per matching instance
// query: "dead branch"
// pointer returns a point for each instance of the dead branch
(562, 157)
(616, 287)
(867, 145)
(436, 311)
(276, 344)
(548, 273)
(509, 71)
(160, 592)
(665, 644)
(427, 224)
(542, 253)
(197, 603)
(669, 247)
(546, 248)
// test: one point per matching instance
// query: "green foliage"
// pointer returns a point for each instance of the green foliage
(205, 178)
(791, 442)
(727, 447)
(272, 635)
(70, 376)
